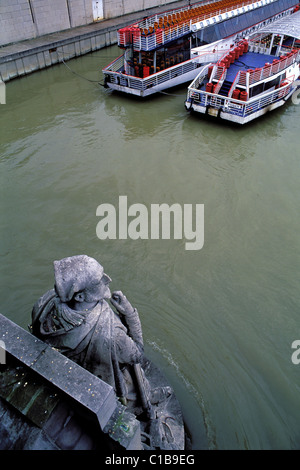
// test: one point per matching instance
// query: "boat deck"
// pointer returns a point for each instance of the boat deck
(249, 60)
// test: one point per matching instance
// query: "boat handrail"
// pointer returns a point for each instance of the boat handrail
(258, 102)
(234, 83)
(222, 72)
(115, 65)
(151, 33)
(152, 19)
(200, 77)
(240, 107)
(197, 7)
(268, 70)
(152, 80)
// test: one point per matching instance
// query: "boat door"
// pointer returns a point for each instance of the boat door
(98, 10)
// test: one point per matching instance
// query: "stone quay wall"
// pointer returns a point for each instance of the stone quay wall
(36, 34)
(27, 19)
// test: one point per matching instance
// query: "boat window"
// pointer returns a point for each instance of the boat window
(256, 90)
(272, 83)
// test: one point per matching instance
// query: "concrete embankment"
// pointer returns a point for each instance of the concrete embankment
(25, 57)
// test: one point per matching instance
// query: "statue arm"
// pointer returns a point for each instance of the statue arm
(129, 316)
(134, 326)
(128, 351)
(128, 334)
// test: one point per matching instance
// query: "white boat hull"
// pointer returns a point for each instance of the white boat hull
(172, 82)
(221, 114)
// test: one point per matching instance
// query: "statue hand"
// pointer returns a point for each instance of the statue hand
(120, 302)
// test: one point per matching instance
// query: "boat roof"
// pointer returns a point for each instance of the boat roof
(289, 26)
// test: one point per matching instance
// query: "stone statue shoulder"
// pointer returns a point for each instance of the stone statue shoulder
(46, 302)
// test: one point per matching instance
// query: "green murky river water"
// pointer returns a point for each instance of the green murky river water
(219, 321)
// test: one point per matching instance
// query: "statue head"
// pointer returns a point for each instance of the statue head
(81, 280)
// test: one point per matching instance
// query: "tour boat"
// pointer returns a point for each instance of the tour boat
(253, 76)
(157, 50)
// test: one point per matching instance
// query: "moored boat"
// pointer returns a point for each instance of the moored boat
(253, 76)
(157, 50)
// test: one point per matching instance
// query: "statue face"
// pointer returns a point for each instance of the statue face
(99, 291)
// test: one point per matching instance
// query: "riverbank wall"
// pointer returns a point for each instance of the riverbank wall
(24, 57)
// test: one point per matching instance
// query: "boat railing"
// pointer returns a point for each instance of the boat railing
(253, 76)
(155, 31)
(235, 82)
(130, 81)
(266, 99)
(197, 82)
(176, 13)
(159, 37)
(239, 107)
(218, 76)
(116, 65)
(194, 88)
(217, 73)
(213, 56)
(196, 12)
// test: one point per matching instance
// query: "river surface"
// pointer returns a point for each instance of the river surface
(219, 321)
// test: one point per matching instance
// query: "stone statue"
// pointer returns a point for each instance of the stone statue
(76, 318)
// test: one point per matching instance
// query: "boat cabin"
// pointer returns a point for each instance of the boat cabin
(253, 75)
(157, 50)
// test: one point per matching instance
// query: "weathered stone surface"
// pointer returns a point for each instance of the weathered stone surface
(49, 402)
(18, 433)
(77, 383)
(124, 428)
(20, 343)
(31, 397)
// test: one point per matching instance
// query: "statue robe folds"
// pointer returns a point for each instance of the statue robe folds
(96, 339)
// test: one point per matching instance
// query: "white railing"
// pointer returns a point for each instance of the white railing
(238, 107)
(151, 20)
(268, 70)
(119, 78)
(217, 73)
(160, 36)
(194, 10)
(197, 82)
(267, 99)
(116, 65)
(234, 84)
(151, 33)
(115, 70)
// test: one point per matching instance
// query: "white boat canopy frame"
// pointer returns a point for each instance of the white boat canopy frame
(289, 26)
